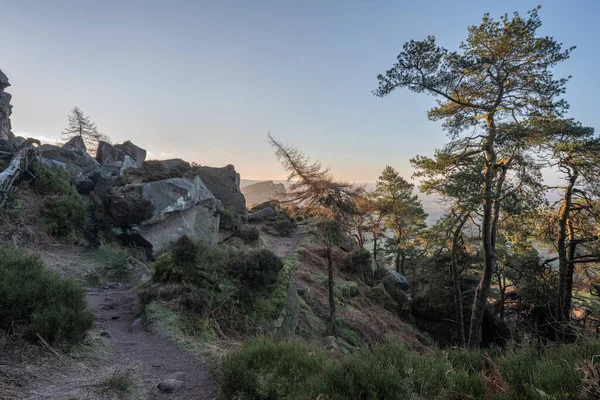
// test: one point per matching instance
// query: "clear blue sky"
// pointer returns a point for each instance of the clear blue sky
(206, 80)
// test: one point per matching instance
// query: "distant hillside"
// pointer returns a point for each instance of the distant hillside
(430, 203)
(261, 192)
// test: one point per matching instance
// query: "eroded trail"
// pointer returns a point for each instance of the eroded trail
(154, 356)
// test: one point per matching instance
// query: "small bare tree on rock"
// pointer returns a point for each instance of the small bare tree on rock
(80, 126)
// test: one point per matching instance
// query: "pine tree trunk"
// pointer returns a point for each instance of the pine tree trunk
(565, 269)
(402, 262)
(458, 304)
(330, 285)
(397, 260)
(375, 247)
(502, 287)
(481, 295)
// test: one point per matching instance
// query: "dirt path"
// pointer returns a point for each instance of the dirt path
(154, 356)
(284, 245)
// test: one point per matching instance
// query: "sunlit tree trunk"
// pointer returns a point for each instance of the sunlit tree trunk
(481, 294)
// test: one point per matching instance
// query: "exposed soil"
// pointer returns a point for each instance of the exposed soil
(119, 342)
(155, 356)
(283, 244)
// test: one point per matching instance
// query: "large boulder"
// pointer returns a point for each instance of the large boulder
(175, 163)
(107, 154)
(83, 170)
(75, 143)
(261, 214)
(163, 211)
(137, 154)
(224, 183)
(113, 160)
(396, 285)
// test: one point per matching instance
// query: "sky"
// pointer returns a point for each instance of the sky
(206, 80)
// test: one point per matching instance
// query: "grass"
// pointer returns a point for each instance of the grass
(121, 381)
(113, 262)
(266, 369)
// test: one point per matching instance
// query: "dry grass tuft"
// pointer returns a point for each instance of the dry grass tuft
(122, 381)
(589, 371)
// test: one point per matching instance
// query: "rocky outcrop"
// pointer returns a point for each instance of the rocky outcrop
(175, 163)
(75, 143)
(115, 161)
(5, 109)
(162, 211)
(137, 154)
(83, 170)
(224, 183)
(262, 192)
(261, 214)
(107, 154)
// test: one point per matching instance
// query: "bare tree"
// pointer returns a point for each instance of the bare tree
(82, 127)
(316, 193)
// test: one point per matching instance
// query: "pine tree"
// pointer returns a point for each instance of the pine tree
(84, 128)
(501, 76)
(403, 213)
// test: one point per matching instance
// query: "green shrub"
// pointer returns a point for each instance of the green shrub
(63, 215)
(34, 300)
(387, 371)
(63, 209)
(185, 252)
(265, 369)
(249, 234)
(166, 271)
(230, 221)
(379, 373)
(359, 261)
(257, 269)
(51, 180)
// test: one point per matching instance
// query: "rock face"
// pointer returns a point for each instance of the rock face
(107, 154)
(82, 168)
(175, 163)
(114, 161)
(75, 143)
(396, 285)
(137, 154)
(261, 214)
(5, 109)
(262, 192)
(224, 183)
(163, 211)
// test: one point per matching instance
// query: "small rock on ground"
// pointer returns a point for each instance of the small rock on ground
(170, 385)
(136, 325)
